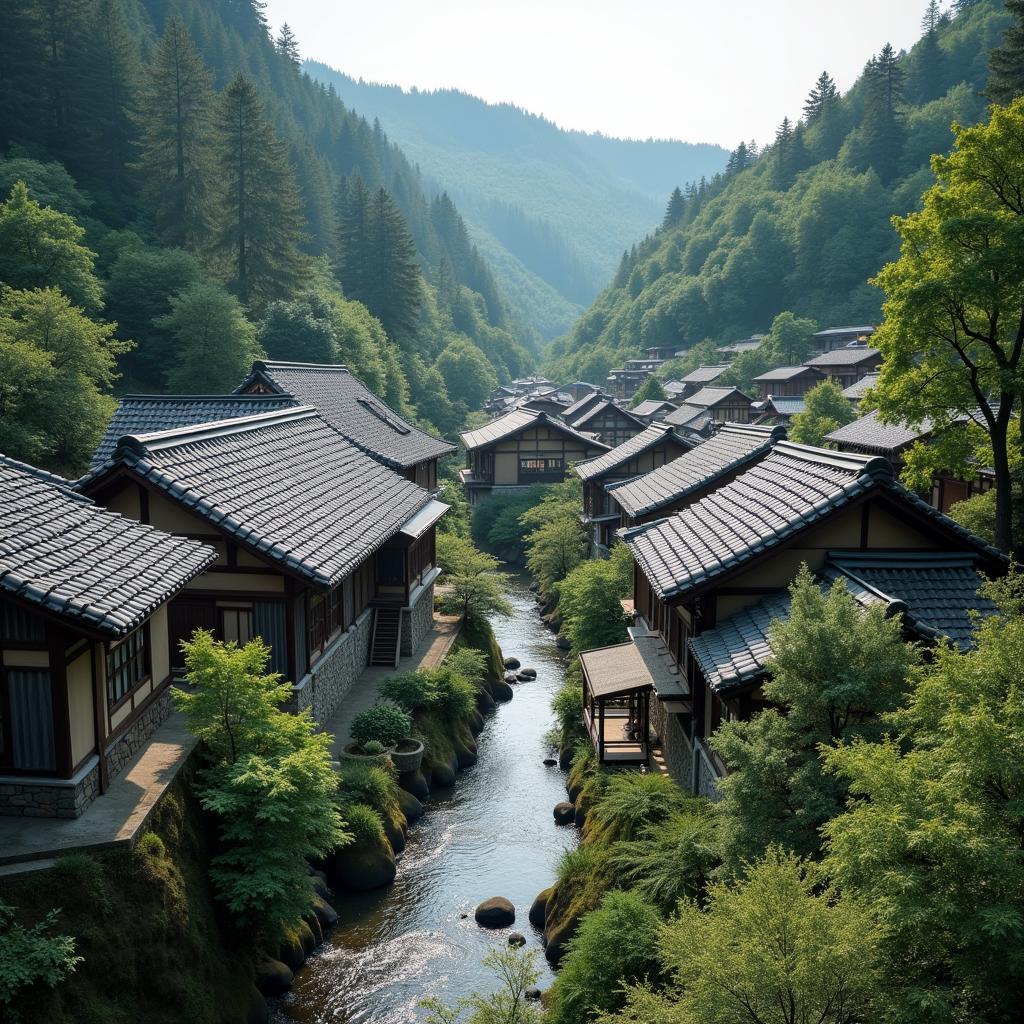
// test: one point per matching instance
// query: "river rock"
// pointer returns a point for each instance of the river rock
(484, 700)
(565, 813)
(258, 1011)
(539, 906)
(497, 912)
(362, 866)
(516, 939)
(562, 643)
(501, 690)
(532, 993)
(550, 762)
(475, 723)
(511, 678)
(292, 953)
(415, 783)
(273, 977)
(528, 673)
(465, 754)
(524, 678)
(313, 923)
(443, 773)
(410, 805)
(396, 837)
(512, 663)
(306, 938)
(320, 886)
(565, 758)
(325, 913)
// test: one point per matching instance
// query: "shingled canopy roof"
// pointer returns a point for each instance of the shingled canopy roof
(705, 374)
(792, 488)
(518, 420)
(781, 373)
(285, 484)
(351, 408)
(870, 434)
(855, 392)
(62, 554)
(734, 446)
(936, 593)
(655, 434)
(848, 356)
(146, 414)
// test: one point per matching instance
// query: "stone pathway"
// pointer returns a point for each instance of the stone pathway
(112, 819)
(436, 644)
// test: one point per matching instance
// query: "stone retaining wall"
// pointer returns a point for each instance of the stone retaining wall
(675, 744)
(417, 621)
(327, 683)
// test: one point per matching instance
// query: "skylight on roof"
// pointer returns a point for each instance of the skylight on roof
(382, 415)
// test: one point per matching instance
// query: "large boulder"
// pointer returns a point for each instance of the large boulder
(362, 865)
(415, 783)
(527, 673)
(475, 723)
(320, 886)
(442, 773)
(538, 908)
(273, 977)
(410, 805)
(484, 701)
(532, 993)
(501, 690)
(313, 923)
(565, 813)
(512, 663)
(565, 758)
(257, 1012)
(306, 938)
(497, 912)
(325, 913)
(511, 678)
(292, 953)
(562, 643)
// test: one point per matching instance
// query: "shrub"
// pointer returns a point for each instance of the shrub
(385, 723)
(364, 823)
(30, 956)
(409, 690)
(595, 969)
(367, 784)
(567, 705)
(634, 800)
(374, 747)
(453, 695)
(468, 663)
(150, 846)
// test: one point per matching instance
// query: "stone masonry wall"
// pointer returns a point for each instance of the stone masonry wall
(134, 738)
(339, 667)
(675, 744)
(417, 621)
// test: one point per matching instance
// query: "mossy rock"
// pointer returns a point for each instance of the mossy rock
(501, 691)
(565, 758)
(292, 952)
(538, 908)
(411, 807)
(558, 932)
(363, 865)
(465, 756)
(442, 773)
(475, 723)
(565, 813)
(273, 977)
(415, 784)
(257, 1012)
(394, 828)
(325, 913)
(484, 701)
(313, 924)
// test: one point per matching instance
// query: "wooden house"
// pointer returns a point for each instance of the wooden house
(609, 422)
(701, 573)
(856, 391)
(321, 550)
(847, 365)
(788, 381)
(657, 445)
(696, 380)
(702, 411)
(520, 449)
(625, 381)
(842, 337)
(777, 411)
(692, 474)
(653, 410)
(351, 408)
(84, 660)
(869, 435)
(579, 389)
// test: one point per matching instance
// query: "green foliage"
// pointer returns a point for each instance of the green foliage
(931, 836)
(651, 389)
(467, 374)
(444, 690)
(214, 343)
(499, 526)
(616, 945)
(825, 410)
(372, 785)
(386, 723)
(365, 824)
(31, 956)
(590, 601)
(469, 663)
(1006, 81)
(516, 972)
(835, 669)
(554, 549)
(475, 586)
(633, 801)
(57, 368)
(270, 782)
(770, 948)
(567, 705)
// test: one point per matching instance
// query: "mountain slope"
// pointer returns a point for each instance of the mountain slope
(563, 205)
(806, 225)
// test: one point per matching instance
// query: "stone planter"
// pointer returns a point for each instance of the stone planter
(410, 758)
(350, 752)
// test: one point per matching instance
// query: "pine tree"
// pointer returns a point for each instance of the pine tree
(353, 216)
(786, 165)
(1006, 62)
(675, 210)
(739, 160)
(287, 45)
(822, 97)
(928, 78)
(22, 107)
(932, 17)
(260, 226)
(394, 286)
(175, 153)
(882, 128)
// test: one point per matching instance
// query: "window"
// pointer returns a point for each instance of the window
(236, 625)
(127, 666)
(316, 624)
(539, 465)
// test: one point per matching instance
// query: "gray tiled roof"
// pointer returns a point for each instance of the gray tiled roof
(581, 405)
(65, 555)
(869, 434)
(520, 419)
(145, 414)
(600, 407)
(350, 407)
(692, 417)
(708, 397)
(862, 329)
(849, 356)
(286, 484)
(794, 487)
(785, 406)
(705, 374)
(655, 434)
(652, 406)
(735, 445)
(856, 390)
(784, 373)
(935, 592)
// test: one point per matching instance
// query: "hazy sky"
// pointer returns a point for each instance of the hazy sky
(710, 71)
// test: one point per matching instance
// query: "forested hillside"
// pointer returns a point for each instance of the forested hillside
(806, 223)
(193, 200)
(551, 209)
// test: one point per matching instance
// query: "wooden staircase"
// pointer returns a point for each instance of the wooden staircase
(386, 644)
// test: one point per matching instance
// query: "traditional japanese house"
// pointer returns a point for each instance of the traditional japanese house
(696, 380)
(579, 389)
(711, 406)
(84, 662)
(869, 435)
(653, 410)
(842, 337)
(542, 403)
(625, 381)
(321, 550)
(856, 391)
(583, 405)
(742, 544)
(777, 410)
(788, 381)
(351, 408)
(692, 474)
(520, 449)
(657, 445)
(847, 365)
(673, 389)
(608, 422)
(735, 348)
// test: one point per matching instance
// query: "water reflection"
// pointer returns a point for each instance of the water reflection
(491, 835)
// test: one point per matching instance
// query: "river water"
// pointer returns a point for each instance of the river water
(491, 835)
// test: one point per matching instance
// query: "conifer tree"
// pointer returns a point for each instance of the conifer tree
(882, 129)
(1006, 62)
(259, 224)
(785, 168)
(287, 45)
(675, 210)
(175, 152)
(927, 79)
(22, 110)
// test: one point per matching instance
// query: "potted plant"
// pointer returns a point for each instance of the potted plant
(376, 733)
